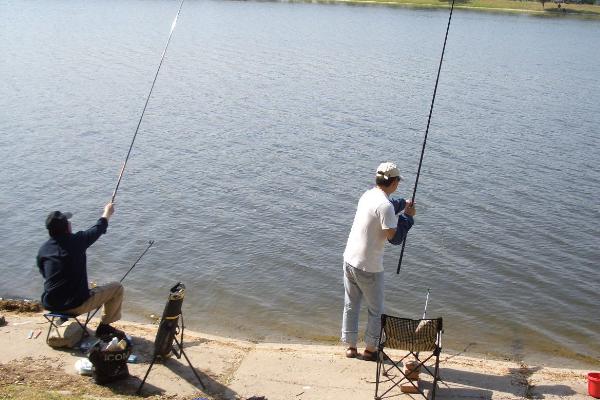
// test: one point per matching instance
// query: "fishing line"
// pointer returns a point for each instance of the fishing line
(147, 100)
(427, 130)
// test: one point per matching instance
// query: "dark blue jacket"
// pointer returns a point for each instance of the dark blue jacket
(405, 222)
(62, 263)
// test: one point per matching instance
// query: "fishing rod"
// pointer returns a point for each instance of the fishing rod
(150, 243)
(426, 302)
(147, 100)
(425, 314)
(425, 310)
(427, 131)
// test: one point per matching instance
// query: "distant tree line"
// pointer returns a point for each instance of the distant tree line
(569, 1)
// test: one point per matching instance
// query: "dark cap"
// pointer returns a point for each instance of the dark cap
(57, 222)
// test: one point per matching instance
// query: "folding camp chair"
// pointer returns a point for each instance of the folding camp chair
(53, 319)
(413, 336)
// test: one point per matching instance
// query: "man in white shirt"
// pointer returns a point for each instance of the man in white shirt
(376, 221)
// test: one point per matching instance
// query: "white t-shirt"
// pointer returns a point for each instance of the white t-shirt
(374, 213)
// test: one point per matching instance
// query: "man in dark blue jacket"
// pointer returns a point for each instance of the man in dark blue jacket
(62, 262)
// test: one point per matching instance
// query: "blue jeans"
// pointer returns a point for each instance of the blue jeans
(359, 284)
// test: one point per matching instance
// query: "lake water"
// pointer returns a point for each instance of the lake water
(266, 125)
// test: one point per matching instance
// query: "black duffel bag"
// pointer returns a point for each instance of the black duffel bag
(109, 365)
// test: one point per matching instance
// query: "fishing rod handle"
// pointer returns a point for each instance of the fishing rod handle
(401, 254)
(112, 200)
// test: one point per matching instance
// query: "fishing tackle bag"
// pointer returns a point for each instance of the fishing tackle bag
(109, 365)
(169, 326)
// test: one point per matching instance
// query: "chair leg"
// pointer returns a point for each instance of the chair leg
(435, 376)
(395, 382)
(84, 332)
(87, 320)
(52, 325)
(48, 334)
(378, 372)
(399, 362)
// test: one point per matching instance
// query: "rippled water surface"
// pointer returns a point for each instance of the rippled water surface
(265, 126)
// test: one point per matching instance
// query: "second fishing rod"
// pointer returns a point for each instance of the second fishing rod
(150, 244)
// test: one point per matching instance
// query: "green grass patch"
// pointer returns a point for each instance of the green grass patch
(44, 378)
(533, 7)
(25, 392)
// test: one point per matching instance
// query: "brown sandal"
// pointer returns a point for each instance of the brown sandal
(351, 352)
(369, 355)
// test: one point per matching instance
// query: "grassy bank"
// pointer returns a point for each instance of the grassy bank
(511, 6)
(39, 379)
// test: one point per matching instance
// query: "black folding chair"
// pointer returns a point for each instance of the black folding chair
(413, 336)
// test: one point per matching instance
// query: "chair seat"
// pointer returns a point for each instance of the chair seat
(58, 314)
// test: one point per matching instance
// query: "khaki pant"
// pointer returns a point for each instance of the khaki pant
(109, 295)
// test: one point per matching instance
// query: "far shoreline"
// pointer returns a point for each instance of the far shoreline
(578, 11)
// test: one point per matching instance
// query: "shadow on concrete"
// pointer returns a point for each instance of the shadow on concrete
(515, 382)
(459, 384)
(144, 349)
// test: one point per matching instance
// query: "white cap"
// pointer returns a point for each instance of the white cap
(388, 170)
